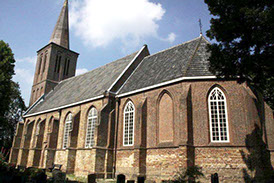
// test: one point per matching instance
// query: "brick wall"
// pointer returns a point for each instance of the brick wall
(171, 131)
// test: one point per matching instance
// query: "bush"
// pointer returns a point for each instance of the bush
(191, 174)
(9, 173)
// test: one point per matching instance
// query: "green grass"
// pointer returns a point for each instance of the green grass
(76, 178)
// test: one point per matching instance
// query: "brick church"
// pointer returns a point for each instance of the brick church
(144, 116)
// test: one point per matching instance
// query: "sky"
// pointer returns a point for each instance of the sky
(101, 31)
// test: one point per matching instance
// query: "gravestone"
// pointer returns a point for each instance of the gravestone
(91, 178)
(121, 178)
(214, 178)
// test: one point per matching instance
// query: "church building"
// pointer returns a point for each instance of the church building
(144, 116)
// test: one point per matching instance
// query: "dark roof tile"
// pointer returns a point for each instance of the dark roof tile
(187, 59)
(91, 84)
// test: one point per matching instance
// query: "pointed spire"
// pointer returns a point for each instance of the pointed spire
(60, 34)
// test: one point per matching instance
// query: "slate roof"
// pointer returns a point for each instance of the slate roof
(91, 84)
(184, 60)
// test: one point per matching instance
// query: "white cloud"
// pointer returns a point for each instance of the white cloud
(81, 71)
(99, 22)
(24, 76)
(171, 37)
(24, 73)
(31, 60)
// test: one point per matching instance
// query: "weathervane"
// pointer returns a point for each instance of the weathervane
(201, 26)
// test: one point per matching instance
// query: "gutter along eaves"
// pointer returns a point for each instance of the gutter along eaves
(166, 83)
(65, 106)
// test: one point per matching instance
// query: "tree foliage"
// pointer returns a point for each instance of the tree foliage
(12, 116)
(12, 104)
(191, 174)
(6, 71)
(244, 31)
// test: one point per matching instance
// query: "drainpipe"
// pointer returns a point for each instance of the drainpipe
(117, 104)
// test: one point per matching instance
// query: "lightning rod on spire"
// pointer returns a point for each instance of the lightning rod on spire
(201, 26)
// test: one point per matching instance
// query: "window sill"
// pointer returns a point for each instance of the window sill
(220, 144)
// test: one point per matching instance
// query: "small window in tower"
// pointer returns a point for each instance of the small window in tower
(59, 63)
(68, 67)
(64, 71)
(45, 61)
(40, 63)
(56, 64)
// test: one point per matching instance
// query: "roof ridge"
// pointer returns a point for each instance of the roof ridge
(95, 68)
(173, 47)
(192, 56)
(130, 76)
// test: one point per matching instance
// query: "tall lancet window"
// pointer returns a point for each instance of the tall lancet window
(38, 129)
(218, 116)
(40, 63)
(91, 122)
(67, 130)
(129, 114)
(45, 61)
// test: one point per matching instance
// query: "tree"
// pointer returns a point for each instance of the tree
(244, 33)
(12, 104)
(6, 72)
(12, 116)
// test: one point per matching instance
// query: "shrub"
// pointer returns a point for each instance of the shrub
(191, 174)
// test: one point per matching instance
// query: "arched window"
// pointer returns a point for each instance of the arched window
(38, 128)
(57, 63)
(67, 130)
(45, 61)
(50, 126)
(40, 63)
(165, 123)
(91, 121)
(218, 116)
(129, 114)
(67, 71)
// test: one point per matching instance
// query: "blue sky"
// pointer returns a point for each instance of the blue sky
(100, 30)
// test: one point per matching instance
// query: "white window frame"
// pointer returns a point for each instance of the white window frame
(37, 132)
(50, 127)
(38, 128)
(218, 116)
(68, 124)
(92, 120)
(124, 124)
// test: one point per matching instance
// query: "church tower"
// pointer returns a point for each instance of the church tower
(55, 61)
